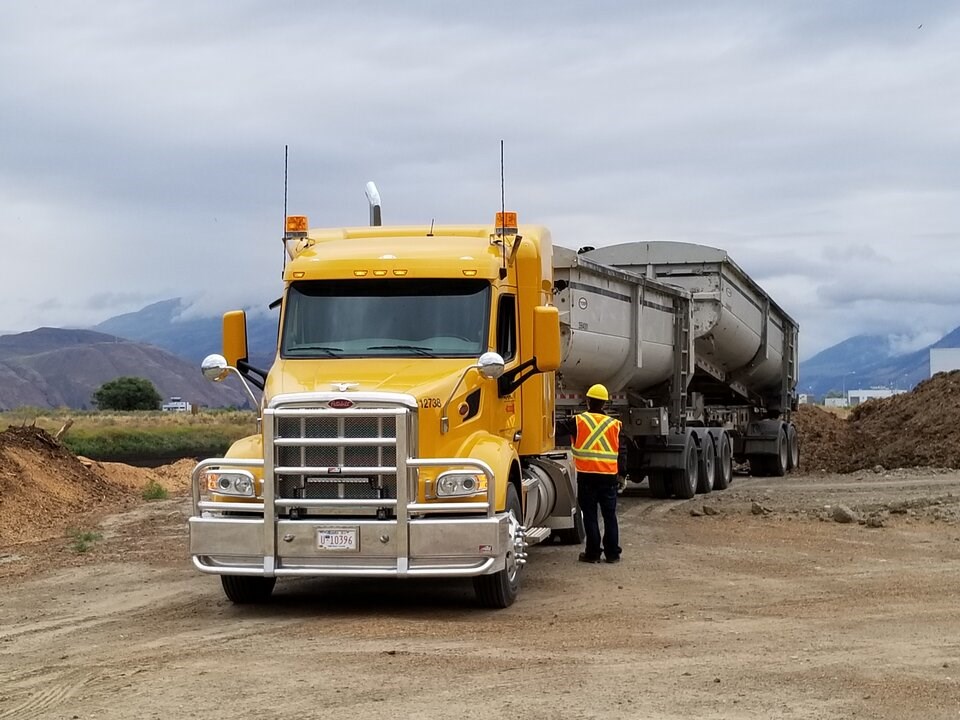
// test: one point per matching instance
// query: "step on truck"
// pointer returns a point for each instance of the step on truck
(407, 423)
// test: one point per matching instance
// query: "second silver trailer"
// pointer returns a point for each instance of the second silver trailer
(700, 361)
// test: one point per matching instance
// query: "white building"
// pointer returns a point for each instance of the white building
(855, 397)
(176, 404)
(835, 402)
(944, 360)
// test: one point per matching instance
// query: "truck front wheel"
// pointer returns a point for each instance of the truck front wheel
(500, 589)
(247, 589)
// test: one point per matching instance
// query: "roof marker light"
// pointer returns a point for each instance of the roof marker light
(469, 273)
(399, 273)
(359, 273)
(379, 273)
(299, 274)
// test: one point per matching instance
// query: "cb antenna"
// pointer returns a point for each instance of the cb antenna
(286, 149)
(503, 220)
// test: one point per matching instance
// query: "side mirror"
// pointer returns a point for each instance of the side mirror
(215, 368)
(490, 365)
(235, 337)
(546, 338)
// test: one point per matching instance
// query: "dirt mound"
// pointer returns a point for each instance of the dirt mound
(45, 489)
(920, 428)
(825, 439)
(916, 429)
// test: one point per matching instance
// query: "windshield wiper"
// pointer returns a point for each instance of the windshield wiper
(416, 348)
(331, 351)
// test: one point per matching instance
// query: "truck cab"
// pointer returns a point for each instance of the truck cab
(406, 421)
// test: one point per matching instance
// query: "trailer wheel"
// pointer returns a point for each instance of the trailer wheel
(780, 462)
(793, 444)
(500, 589)
(247, 589)
(707, 468)
(724, 462)
(685, 478)
(659, 487)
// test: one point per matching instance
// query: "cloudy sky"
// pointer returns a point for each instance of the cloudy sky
(141, 142)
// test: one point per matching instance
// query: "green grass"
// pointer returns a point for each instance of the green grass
(82, 540)
(154, 491)
(120, 436)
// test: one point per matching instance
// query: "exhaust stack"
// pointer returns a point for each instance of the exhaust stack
(373, 197)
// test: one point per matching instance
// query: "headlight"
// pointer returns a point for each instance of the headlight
(454, 484)
(234, 482)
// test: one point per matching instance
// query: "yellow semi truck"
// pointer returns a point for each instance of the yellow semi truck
(407, 425)
(407, 421)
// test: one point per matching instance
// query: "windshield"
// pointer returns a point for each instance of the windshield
(380, 318)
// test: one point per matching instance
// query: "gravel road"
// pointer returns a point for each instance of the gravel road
(763, 607)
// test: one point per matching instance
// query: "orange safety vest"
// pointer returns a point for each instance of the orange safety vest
(597, 444)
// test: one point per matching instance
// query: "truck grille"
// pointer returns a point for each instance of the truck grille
(320, 483)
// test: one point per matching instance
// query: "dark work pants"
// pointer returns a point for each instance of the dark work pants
(593, 490)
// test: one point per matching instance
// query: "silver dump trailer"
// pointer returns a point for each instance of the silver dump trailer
(700, 362)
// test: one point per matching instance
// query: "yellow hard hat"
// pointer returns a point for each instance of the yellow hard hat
(598, 392)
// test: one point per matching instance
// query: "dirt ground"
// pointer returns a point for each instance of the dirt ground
(765, 607)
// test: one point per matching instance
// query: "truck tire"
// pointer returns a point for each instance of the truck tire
(685, 478)
(707, 468)
(575, 535)
(724, 462)
(793, 446)
(500, 589)
(779, 463)
(659, 485)
(247, 589)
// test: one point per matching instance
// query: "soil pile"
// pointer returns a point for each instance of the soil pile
(916, 429)
(46, 490)
(825, 440)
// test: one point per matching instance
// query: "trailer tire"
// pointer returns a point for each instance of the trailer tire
(707, 467)
(500, 589)
(247, 589)
(575, 535)
(659, 486)
(685, 478)
(793, 447)
(724, 462)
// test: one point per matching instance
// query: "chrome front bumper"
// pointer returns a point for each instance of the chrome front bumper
(413, 544)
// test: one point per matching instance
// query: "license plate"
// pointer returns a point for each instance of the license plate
(337, 539)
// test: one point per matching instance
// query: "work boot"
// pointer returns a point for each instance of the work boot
(587, 558)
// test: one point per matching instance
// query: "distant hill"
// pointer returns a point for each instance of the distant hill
(866, 361)
(52, 367)
(163, 324)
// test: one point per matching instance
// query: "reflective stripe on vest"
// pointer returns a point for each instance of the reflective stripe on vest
(597, 444)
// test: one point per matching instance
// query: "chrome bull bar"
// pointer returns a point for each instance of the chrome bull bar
(212, 535)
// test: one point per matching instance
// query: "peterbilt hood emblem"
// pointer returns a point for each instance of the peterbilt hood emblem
(343, 386)
(340, 403)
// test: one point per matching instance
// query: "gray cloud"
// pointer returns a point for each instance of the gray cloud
(142, 149)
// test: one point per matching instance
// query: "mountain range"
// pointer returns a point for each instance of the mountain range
(54, 367)
(868, 361)
(165, 343)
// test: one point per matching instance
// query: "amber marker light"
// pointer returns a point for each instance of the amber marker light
(360, 273)
(379, 273)
(297, 223)
(399, 273)
(299, 274)
(469, 273)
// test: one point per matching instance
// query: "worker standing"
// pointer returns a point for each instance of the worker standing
(600, 460)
